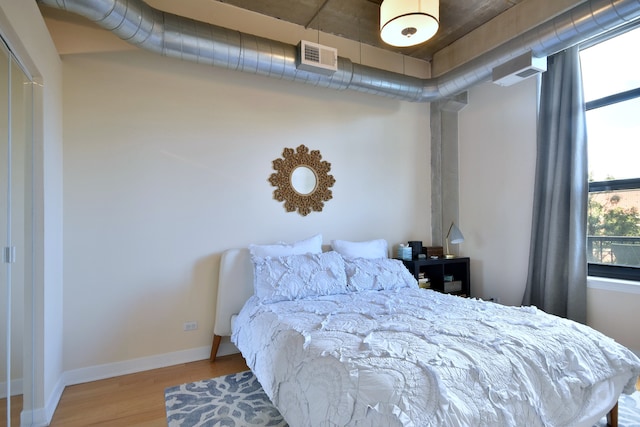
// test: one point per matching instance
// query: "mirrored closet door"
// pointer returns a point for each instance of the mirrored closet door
(16, 101)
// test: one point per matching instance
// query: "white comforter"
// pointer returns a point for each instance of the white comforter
(412, 357)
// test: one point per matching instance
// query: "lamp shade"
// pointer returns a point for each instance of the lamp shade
(408, 22)
(455, 235)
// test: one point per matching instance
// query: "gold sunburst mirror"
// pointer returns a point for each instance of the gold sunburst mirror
(302, 180)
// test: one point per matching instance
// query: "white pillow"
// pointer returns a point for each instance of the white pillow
(369, 249)
(299, 276)
(312, 245)
(378, 274)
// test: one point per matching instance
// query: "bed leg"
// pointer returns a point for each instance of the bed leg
(612, 417)
(214, 347)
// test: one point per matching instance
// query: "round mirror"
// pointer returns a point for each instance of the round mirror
(303, 180)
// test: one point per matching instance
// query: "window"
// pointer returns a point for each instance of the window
(611, 78)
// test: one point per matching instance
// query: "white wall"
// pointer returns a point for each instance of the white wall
(167, 165)
(612, 308)
(497, 152)
(497, 171)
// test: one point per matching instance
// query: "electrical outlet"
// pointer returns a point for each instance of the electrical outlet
(190, 326)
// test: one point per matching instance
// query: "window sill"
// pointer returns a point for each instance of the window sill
(616, 285)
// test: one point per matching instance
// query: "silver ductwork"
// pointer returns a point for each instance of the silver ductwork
(170, 35)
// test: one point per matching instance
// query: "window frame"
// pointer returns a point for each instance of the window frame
(610, 271)
(621, 272)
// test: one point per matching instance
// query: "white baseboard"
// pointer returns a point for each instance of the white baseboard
(109, 370)
(35, 418)
(41, 417)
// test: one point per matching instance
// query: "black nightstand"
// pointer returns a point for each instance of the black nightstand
(454, 270)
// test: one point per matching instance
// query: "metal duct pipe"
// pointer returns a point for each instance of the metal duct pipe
(581, 23)
(170, 35)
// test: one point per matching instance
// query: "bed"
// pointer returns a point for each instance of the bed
(391, 355)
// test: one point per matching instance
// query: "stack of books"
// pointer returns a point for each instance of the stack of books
(423, 281)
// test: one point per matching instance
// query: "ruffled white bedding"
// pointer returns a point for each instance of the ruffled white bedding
(415, 357)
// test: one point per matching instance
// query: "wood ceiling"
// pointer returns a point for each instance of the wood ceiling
(359, 19)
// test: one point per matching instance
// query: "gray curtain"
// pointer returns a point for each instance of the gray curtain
(557, 279)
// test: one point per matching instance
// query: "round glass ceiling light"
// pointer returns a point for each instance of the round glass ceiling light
(408, 22)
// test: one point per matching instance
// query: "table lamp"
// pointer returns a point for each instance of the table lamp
(454, 236)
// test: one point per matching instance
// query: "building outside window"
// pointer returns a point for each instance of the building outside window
(611, 79)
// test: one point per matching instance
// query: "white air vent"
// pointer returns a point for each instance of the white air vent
(317, 58)
(518, 69)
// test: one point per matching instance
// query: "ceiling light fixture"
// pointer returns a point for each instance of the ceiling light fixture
(408, 22)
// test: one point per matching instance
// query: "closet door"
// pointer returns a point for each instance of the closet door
(15, 229)
(6, 294)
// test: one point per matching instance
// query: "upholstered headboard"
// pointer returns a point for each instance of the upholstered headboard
(235, 282)
(235, 287)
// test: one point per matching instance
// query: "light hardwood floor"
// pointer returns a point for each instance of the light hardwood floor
(16, 407)
(136, 399)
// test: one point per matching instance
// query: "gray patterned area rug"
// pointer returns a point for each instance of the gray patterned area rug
(235, 400)
(238, 400)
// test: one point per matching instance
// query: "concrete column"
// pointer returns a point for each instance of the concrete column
(444, 165)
